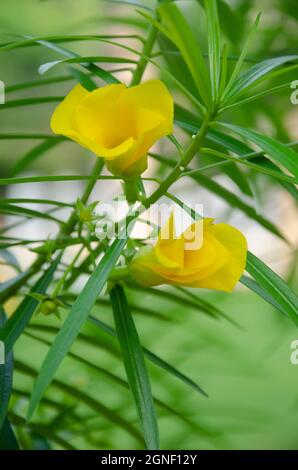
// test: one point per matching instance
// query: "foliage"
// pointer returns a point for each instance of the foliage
(70, 389)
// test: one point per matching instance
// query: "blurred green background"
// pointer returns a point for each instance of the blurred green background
(246, 370)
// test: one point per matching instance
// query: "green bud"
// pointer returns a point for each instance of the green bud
(85, 213)
(48, 306)
(46, 249)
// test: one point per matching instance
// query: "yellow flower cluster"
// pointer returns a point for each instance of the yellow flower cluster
(121, 124)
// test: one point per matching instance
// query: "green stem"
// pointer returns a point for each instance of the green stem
(184, 162)
(68, 227)
(65, 274)
(147, 49)
(131, 189)
(119, 273)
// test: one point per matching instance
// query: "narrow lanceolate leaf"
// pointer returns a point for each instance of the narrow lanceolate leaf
(85, 398)
(279, 152)
(10, 259)
(54, 40)
(229, 197)
(274, 285)
(33, 154)
(43, 179)
(23, 136)
(153, 358)
(75, 320)
(256, 74)
(85, 60)
(235, 74)
(6, 371)
(135, 366)
(25, 212)
(8, 440)
(188, 122)
(257, 289)
(291, 188)
(14, 327)
(84, 79)
(213, 44)
(93, 68)
(279, 175)
(175, 28)
(31, 101)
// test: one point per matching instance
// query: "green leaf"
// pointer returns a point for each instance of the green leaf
(228, 197)
(6, 372)
(28, 200)
(152, 357)
(52, 41)
(102, 371)
(228, 19)
(279, 175)
(85, 60)
(276, 150)
(83, 397)
(235, 202)
(84, 79)
(8, 440)
(204, 304)
(264, 162)
(135, 367)
(31, 101)
(255, 287)
(25, 212)
(15, 325)
(274, 285)
(256, 74)
(256, 96)
(235, 75)
(187, 121)
(176, 28)
(38, 83)
(42, 179)
(75, 320)
(214, 45)
(43, 430)
(94, 69)
(135, 3)
(10, 259)
(18, 136)
(34, 154)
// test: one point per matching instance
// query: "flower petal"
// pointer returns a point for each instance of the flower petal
(63, 119)
(100, 120)
(226, 277)
(155, 97)
(169, 247)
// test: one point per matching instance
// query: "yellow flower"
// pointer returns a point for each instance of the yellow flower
(117, 123)
(216, 262)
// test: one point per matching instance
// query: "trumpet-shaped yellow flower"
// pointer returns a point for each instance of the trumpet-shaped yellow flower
(206, 255)
(117, 123)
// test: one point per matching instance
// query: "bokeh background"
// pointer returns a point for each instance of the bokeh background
(246, 370)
